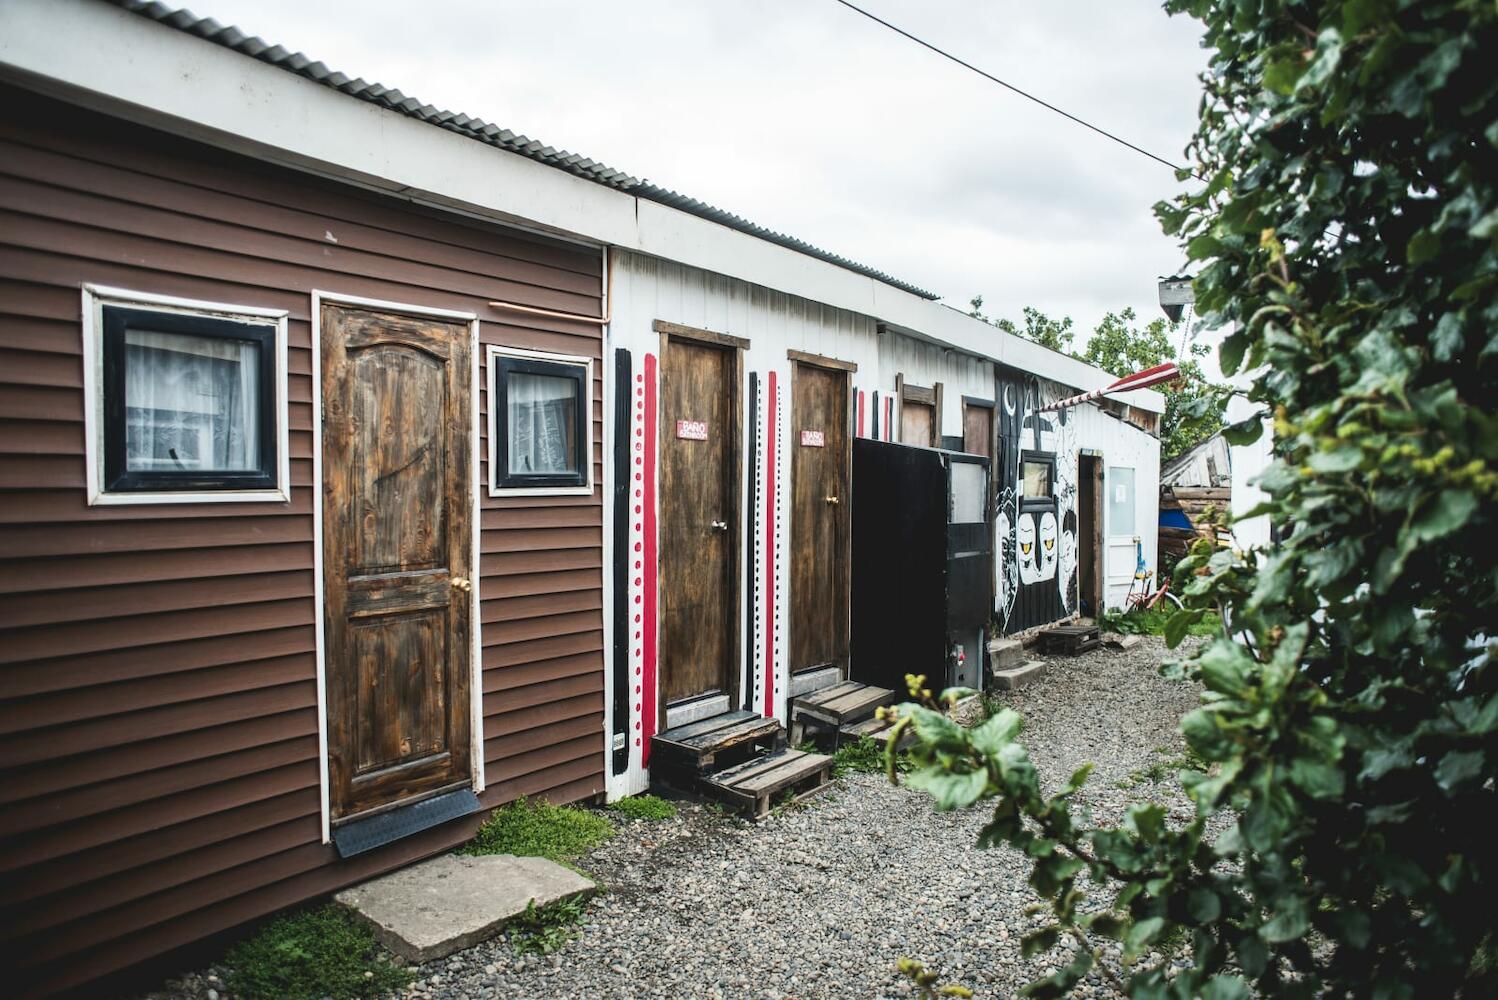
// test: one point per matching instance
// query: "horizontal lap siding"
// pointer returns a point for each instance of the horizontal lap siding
(159, 775)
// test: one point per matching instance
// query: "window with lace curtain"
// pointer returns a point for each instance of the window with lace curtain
(539, 407)
(186, 403)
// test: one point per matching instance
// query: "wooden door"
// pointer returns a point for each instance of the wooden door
(1090, 534)
(977, 430)
(917, 423)
(820, 521)
(699, 522)
(397, 555)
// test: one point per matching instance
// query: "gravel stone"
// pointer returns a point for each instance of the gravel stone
(821, 900)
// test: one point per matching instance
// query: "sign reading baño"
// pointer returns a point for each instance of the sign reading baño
(813, 439)
(691, 430)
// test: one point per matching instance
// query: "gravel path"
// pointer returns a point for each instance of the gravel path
(821, 900)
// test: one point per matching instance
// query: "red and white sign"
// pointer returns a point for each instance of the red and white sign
(813, 439)
(691, 430)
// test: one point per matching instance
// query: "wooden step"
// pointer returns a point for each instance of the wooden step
(710, 744)
(754, 784)
(841, 704)
(1070, 639)
(877, 730)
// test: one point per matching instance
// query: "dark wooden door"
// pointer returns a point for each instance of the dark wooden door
(820, 523)
(917, 423)
(1090, 534)
(397, 555)
(698, 518)
(977, 430)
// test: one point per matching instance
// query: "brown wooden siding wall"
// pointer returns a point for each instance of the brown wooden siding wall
(158, 707)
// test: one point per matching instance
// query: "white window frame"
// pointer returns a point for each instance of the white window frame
(494, 351)
(95, 298)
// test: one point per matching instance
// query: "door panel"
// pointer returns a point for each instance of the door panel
(397, 554)
(917, 423)
(698, 519)
(820, 524)
(977, 430)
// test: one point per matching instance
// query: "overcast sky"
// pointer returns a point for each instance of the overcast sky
(806, 118)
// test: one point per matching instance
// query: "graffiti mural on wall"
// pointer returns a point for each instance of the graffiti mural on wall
(1036, 572)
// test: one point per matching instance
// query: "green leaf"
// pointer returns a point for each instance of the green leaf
(1245, 432)
(1225, 987)
(935, 728)
(1450, 510)
(1423, 246)
(1230, 352)
(1288, 921)
(1459, 767)
(991, 736)
(1343, 459)
(1142, 933)
(951, 790)
(1178, 625)
(1317, 778)
(1035, 942)
(1226, 667)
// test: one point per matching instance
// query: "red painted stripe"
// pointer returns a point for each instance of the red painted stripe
(647, 709)
(860, 413)
(773, 397)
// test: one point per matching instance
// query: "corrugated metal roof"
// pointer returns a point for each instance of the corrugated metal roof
(476, 128)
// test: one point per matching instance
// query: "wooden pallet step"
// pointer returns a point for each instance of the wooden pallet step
(878, 730)
(704, 744)
(754, 784)
(842, 703)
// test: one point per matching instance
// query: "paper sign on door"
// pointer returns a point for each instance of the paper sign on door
(691, 430)
(813, 439)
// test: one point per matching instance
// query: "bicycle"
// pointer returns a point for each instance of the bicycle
(1140, 596)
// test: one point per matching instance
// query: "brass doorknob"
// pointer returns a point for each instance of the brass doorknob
(831, 500)
(463, 584)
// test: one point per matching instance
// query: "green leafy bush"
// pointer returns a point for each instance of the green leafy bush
(644, 807)
(1153, 622)
(1346, 231)
(540, 829)
(312, 954)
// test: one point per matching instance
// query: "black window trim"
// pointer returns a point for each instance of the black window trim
(1047, 502)
(501, 478)
(117, 478)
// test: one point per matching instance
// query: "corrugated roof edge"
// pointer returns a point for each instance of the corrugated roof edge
(476, 128)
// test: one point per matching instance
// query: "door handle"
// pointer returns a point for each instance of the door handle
(462, 583)
(718, 525)
(831, 500)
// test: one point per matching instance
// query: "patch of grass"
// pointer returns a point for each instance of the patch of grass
(644, 807)
(1160, 770)
(313, 954)
(541, 931)
(540, 829)
(865, 757)
(1152, 622)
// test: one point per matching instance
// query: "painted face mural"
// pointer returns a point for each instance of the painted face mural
(1048, 543)
(1029, 559)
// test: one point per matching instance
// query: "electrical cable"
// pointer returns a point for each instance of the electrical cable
(1025, 94)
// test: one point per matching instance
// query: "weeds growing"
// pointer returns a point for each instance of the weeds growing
(540, 829)
(543, 930)
(644, 807)
(311, 954)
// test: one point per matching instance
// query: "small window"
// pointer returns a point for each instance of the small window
(1038, 477)
(185, 401)
(539, 428)
(1121, 507)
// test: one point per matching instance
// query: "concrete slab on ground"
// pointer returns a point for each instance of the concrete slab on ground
(1026, 672)
(437, 907)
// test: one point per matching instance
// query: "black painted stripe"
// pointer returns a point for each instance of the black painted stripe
(623, 393)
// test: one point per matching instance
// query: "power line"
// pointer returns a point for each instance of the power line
(1025, 94)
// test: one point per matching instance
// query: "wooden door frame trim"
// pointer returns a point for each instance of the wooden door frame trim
(821, 361)
(846, 513)
(734, 347)
(697, 333)
(476, 665)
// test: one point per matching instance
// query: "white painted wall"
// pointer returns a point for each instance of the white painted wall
(924, 364)
(646, 289)
(1124, 446)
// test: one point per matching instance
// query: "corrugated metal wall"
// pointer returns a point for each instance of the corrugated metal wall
(158, 723)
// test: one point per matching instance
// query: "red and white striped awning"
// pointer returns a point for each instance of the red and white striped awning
(1139, 380)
